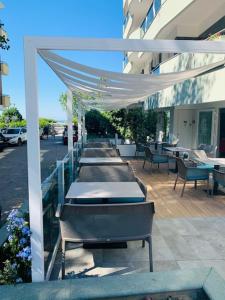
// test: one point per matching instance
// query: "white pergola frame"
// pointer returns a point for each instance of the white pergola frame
(31, 47)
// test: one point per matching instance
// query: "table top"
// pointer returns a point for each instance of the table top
(100, 160)
(96, 190)
(177, 149)
(100, 152)
(97, 145)
(106, 173)
(96, 148)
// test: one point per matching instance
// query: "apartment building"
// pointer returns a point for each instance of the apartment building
(4, 68)
(196, 107)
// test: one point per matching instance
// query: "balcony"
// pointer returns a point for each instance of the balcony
(137, 9)
(4, 68)
(5, 100)
(3, 33)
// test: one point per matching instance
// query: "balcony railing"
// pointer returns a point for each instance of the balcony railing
(220, 35)
(5, 100)
(152, 12)
(125, 61)
(4, 69)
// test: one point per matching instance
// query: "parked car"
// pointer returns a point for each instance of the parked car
(16, 136)
(65, 135)
(3, 142)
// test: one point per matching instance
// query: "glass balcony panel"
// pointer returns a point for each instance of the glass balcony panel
(50, 192)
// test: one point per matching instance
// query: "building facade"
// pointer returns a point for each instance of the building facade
(4, 68)
(196, 107)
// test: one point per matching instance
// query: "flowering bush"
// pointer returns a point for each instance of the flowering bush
(15, 254)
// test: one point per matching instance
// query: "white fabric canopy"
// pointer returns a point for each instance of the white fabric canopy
(113, 90)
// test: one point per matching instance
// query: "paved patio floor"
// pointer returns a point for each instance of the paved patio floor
(188, 232)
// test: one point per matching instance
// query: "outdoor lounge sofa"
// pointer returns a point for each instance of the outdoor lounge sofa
(106, 223)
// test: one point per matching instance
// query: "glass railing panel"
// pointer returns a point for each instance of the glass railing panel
(50, 197)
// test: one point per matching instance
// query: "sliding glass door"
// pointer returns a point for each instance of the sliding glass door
(205, 127)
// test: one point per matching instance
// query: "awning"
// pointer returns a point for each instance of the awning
(107, 90)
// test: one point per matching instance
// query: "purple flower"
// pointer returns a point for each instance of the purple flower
(10, 238)
(12, 214)
(25, 253)
(22, 241)
(26, 231)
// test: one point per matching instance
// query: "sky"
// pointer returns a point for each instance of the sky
(74, 18)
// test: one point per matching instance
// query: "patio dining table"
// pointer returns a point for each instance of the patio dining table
(108, 190)
(106, 173)
(101, 152)
(97, 145)
(100, 161)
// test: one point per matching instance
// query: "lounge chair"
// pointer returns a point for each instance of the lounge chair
(190, 172)
(155, 158)
(106, 223)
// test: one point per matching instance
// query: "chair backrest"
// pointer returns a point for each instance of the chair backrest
(201, 154)
(142, 187)
(219, 177)
(148, 153)
(182, 169)
(107, 222)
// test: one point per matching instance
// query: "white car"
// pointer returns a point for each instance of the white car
(16, 136)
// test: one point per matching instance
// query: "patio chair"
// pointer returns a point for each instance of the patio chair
(190, 172)
(139, 148)
(106, 223)
(155, 158)
(142, 187)
(219, 177)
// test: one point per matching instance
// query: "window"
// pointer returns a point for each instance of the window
(205, 127)
(13, 131)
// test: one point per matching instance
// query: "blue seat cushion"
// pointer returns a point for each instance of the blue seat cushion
(197, 177)
(126, 200)
(205, 166)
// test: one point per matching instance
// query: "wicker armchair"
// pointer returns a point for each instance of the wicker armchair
(190, 172)
(155, 158)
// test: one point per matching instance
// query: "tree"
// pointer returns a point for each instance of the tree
(79, 95)
(11, 114)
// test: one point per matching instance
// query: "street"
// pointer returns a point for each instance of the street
(13, 171)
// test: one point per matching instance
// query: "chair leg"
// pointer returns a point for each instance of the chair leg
(182, 193)
(208, 188)
(175, 183)
(63, 258)
(196, 184)
(143, 243)
(144, 164)
(168, 166)
(158, 165)
(150, 254)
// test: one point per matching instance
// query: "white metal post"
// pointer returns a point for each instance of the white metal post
(79, 121)
(33, 157)
(61, 181)
(84, 128)
(70, 119)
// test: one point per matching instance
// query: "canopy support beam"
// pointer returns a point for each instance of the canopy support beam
(34, 167)
(70, 120)
(31, 46)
